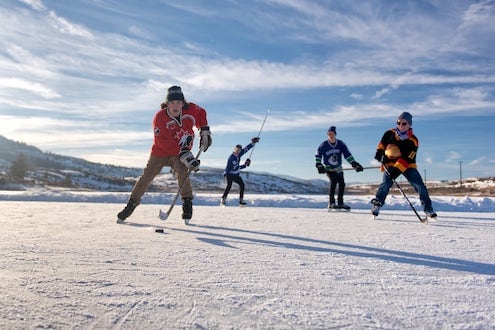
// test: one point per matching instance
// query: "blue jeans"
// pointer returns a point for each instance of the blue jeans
(412, 175)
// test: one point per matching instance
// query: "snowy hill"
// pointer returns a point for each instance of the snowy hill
(50, 170)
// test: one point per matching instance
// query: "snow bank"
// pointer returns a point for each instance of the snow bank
(393, 202)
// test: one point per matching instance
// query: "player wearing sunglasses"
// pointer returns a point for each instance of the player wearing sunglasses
(396, 152)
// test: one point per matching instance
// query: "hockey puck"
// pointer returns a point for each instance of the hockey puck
(158, 230)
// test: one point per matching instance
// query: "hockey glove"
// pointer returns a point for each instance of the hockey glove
(355, 165)
(255, 140)
(247, 162)
(205, 135)
(394, 172)
(379, 155)
(187, 158)
(320, 168)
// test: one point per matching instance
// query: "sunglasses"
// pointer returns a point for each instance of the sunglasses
(404, 123)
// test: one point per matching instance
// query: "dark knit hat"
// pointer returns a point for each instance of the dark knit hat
(406, 116)
(332, 129)
(238, 146)
(175, 93)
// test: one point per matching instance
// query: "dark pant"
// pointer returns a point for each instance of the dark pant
(412, 175)
(336, 178)
(237, 179)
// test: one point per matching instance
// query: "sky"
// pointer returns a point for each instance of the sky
(84, 78)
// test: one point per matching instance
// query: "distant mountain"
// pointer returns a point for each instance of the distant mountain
(47, 169)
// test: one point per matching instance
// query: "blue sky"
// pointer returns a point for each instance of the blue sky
(85, 77)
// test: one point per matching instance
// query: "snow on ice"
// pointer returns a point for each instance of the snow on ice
(284, 262)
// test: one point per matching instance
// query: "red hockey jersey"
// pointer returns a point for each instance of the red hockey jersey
(173, 134)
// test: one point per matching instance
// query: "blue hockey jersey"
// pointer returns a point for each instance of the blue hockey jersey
(233, 162)
(330, 155)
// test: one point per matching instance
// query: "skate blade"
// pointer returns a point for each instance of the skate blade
(338, 210)
(430, 219)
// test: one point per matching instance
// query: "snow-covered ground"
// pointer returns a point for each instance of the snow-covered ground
(284, 262)
(394, 201)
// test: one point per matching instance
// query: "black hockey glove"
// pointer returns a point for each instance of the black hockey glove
(255, 140)
(320, 168)
(205, 135)
(187, 158)
(355, 165)
(247, 162)
(379, 155)
(394, 172)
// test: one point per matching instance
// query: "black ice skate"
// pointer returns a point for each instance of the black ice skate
(127, 211)
(375, 207)
(187, 210)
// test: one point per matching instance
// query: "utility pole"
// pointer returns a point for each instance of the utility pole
(460, 173)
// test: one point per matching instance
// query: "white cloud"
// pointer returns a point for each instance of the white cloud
(30, 86)
(453, 156)
(479, 13)
(357, 96)
(140, 32)
(65, 26)
(380, 93)
(478, 161)
(81, 67)
(76, 134)
(35, 4)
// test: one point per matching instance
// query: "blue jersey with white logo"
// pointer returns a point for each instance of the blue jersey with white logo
(330, 155)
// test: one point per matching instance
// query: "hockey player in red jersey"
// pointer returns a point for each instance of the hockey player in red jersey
(173, 127)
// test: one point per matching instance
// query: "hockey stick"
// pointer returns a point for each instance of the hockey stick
(164, 215)
(423, 220)
(364, 168)
(259, 133)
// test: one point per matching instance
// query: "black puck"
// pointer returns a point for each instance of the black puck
(158, 230)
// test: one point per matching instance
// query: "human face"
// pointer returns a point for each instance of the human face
(331, 136)
(402, 125)
(175, 107)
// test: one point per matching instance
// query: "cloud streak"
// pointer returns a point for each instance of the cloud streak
(356, 64)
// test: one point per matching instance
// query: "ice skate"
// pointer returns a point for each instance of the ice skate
(375, 207)
(343, 207)
(187, 210)
(431, 216)
(127, 211)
